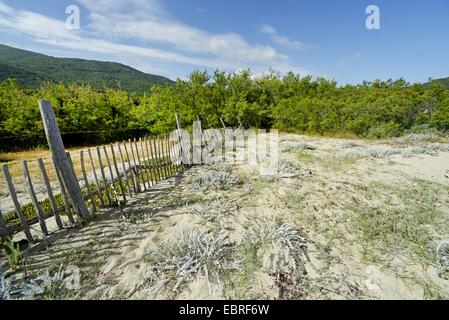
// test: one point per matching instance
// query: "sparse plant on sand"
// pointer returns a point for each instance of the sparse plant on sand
(220, 178)
(418, 138)
(288, 168)
(44, 286)
(213, 210)
(381, 152)
(268, 233)
(349, 145)
(11, 251)
(5, 287)
(443, 259)
(194, 254)
(280, 250)
(368, 152)
(296, 147)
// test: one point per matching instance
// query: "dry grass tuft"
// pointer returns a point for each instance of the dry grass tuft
(190, 256)
(220, 178)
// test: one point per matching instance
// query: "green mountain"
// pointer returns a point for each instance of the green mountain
(443, 81)
(31, 69)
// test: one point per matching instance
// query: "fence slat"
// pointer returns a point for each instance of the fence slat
(167, 155)
(141, 168)
(178, 150)
(181, 140)
(86, 181)
(164, 158)
(150, 166)
(87, 214)
(37, 207)
(51, 197)
(172, 155)
(158, 160)
(126, 171)
(97, 184)
(145, 164)
(3, 230)
(108, 162)
(103, 176)
(136, 185)
(135, 170)
(153, 159)
(118, 173)
(13, 194)
(65, 197)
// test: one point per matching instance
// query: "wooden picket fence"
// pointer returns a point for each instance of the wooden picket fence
(104, 176)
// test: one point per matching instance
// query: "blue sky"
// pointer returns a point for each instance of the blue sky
(173, 37)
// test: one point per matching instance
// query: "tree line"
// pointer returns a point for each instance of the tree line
(290, 103)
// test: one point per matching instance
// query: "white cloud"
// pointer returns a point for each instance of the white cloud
(280, 39)
(267, 29)
(147, 21)
(114, 29)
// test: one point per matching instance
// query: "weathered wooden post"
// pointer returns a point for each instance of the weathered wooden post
(3, 230)
(13, 194)
(61, 160)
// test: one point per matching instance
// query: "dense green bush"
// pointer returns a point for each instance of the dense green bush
(290, 103)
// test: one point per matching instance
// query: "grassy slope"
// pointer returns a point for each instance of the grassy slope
(30, 69)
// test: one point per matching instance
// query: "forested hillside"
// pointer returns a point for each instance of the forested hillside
(443, 81)
(290, 103)
(32, 69)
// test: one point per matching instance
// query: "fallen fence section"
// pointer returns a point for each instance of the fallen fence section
(78, 184)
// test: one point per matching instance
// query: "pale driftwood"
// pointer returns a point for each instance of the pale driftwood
(119, 178)
(97, 183)
(37, 207)
(61, 161)
(51, 197)
(126, 171)
(65, 197)
(86, 181)
(3, 230)
(103, 176)
(12, 193)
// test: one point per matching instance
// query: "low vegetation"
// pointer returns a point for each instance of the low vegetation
(290, 103)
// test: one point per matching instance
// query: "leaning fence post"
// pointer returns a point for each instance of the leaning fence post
(13, 194)
(62, 162)
(37, 207)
